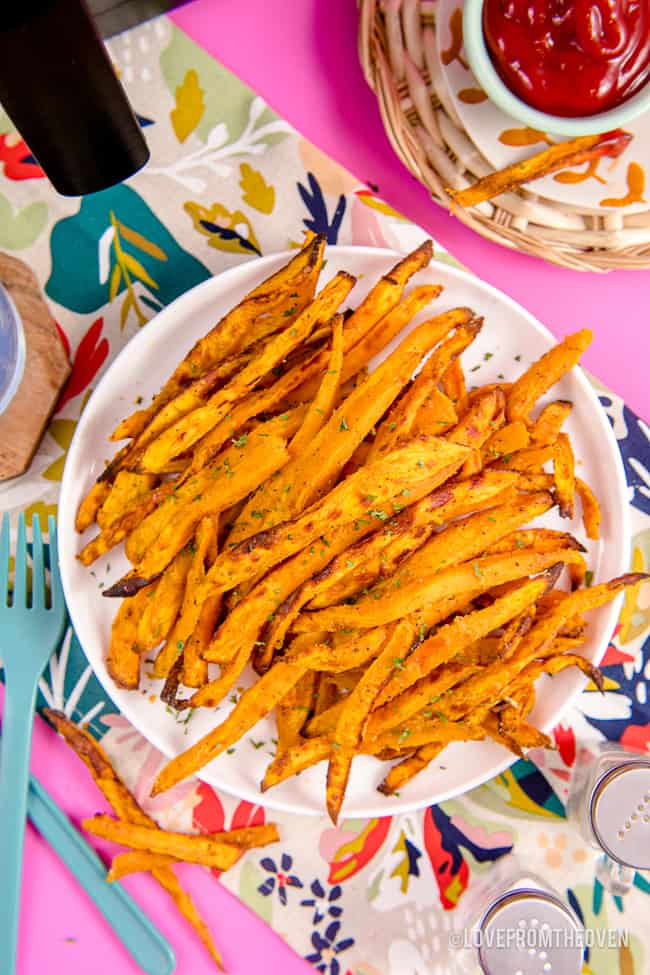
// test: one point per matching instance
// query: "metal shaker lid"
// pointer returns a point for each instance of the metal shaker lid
(619, 810)
(530, 932)
(12, 349)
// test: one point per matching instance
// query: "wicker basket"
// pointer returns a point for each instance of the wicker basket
(397, 48)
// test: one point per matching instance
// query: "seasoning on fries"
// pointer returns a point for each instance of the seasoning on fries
(367, 542)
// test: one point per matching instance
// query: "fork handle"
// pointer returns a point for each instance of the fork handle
(17, 724)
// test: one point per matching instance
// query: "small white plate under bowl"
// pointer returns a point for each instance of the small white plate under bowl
(603, 187)
(511, 338)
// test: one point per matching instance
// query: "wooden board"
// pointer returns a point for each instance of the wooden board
(46, 370)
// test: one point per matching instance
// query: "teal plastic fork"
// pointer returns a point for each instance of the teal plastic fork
(30, 630)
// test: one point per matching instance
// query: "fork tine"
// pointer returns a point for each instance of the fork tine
(4, 560)
(55, 576)
(20, 565)
(38, 565)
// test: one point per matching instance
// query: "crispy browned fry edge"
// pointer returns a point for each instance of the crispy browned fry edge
(561, 156)
(239, 326)
(106, 778)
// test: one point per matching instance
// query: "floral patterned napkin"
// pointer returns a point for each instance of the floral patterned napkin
(228, 180)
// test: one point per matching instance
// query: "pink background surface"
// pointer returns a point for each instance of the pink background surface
(300, 55)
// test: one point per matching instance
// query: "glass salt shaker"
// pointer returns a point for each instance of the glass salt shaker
(609, 802)
(513, 922)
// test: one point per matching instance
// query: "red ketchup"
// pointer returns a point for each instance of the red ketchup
(570, 57)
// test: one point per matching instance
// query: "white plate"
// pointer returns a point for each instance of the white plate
(487, 126)
(140, 370)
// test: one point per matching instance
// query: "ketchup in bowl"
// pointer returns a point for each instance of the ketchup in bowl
(570, 57)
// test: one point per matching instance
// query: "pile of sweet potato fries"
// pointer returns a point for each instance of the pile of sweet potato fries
(361, 539)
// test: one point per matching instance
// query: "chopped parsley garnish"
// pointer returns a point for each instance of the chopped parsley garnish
(379, 515)
(589, 578)
(398, 663)
(343, 425)
(240, 441)
(477, 570)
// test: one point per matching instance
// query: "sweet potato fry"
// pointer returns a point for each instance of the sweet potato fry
(436, 415)
(549, 422)
(119, 529)
(453, 385)
(204, 849)
(325, 693)
(537, 539)
(307, 478)
(162, 609)
(477, 424)
(406, 770)
(508, 440)
(324, 722)
(423, 458)
(89, 507)
(377, 555)
(406, 532)
(416, 590)
(548, 625)
(531, 458)
(159, 537)
(563, 155)
(426, 729)
(181, 638)
(564, 473)
(544, 373)
(138, 861)
(296, 759)
(293, 709)
(360, 351)
(491, 684)
(128, 810)
(254, 703)
(425, 694)
(456, 636)
(127, 490)
(320, 409)
(590, 509)
(464, 539)
(400, 420)
(195, 424)
(376, 310)
(349, 727)
(123, 657)
(289, 290)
